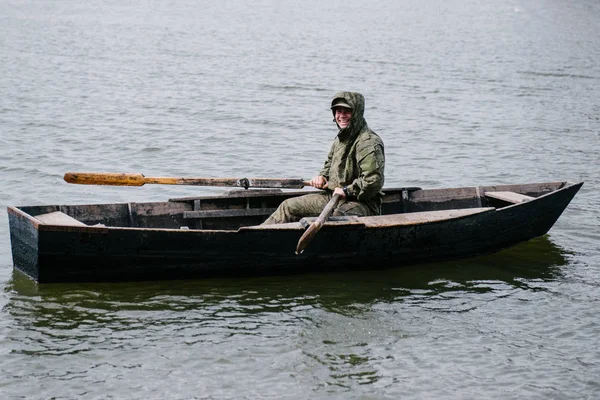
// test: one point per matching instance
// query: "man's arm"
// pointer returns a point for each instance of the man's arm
(371, 164)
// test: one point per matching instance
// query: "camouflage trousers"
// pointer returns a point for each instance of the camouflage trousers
(311, 205)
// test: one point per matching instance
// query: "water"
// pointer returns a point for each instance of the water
(462, 93)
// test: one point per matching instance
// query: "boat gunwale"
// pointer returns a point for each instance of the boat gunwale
(41, 226)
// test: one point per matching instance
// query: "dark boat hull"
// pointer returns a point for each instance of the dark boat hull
(52, 253)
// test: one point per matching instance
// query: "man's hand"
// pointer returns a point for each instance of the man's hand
(319, 182)
(340, 191)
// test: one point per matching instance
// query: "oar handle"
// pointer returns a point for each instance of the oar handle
(312, 230)
(121, 179)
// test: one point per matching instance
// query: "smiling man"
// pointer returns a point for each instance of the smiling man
(354, 168)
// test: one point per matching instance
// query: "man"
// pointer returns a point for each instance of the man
(354, 168)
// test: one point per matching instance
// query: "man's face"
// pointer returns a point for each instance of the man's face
(342, 116)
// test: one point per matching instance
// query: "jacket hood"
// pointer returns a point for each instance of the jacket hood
(357, 121)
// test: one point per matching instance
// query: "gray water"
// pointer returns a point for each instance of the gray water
(462, 92)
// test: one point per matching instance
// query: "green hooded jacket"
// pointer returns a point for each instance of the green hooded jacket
(356, 159)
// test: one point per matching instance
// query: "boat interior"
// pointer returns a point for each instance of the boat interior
(245, 208)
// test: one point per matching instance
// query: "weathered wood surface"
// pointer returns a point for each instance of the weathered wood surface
(244, 212)
(58, 218)
(124, 179)
(509, 197)
(337, 220)
(529, 189)
(419, 218)
(250, 193)
(158, 249)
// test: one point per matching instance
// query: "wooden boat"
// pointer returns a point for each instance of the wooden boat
(221, 236)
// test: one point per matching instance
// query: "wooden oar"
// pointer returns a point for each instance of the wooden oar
(312, 230)
(112, 179)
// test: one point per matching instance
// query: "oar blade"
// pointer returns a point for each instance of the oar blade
(312, 230)
(308, 236)
(111, 179)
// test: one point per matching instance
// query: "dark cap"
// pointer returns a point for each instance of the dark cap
(340, 102)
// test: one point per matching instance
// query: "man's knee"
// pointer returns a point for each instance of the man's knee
(290, 210)
(294, 208)
(353, 208)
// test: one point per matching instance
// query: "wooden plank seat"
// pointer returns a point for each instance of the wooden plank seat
(235, 193)
(382, 221)
(333, 220)
(234, 212)
(305, 222)
(58, 218)
(509, 197)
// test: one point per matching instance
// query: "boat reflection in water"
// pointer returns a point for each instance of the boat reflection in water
(524, 266)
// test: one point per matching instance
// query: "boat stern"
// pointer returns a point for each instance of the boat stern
(24, 240)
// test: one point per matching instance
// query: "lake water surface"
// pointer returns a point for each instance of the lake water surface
(463, 93)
